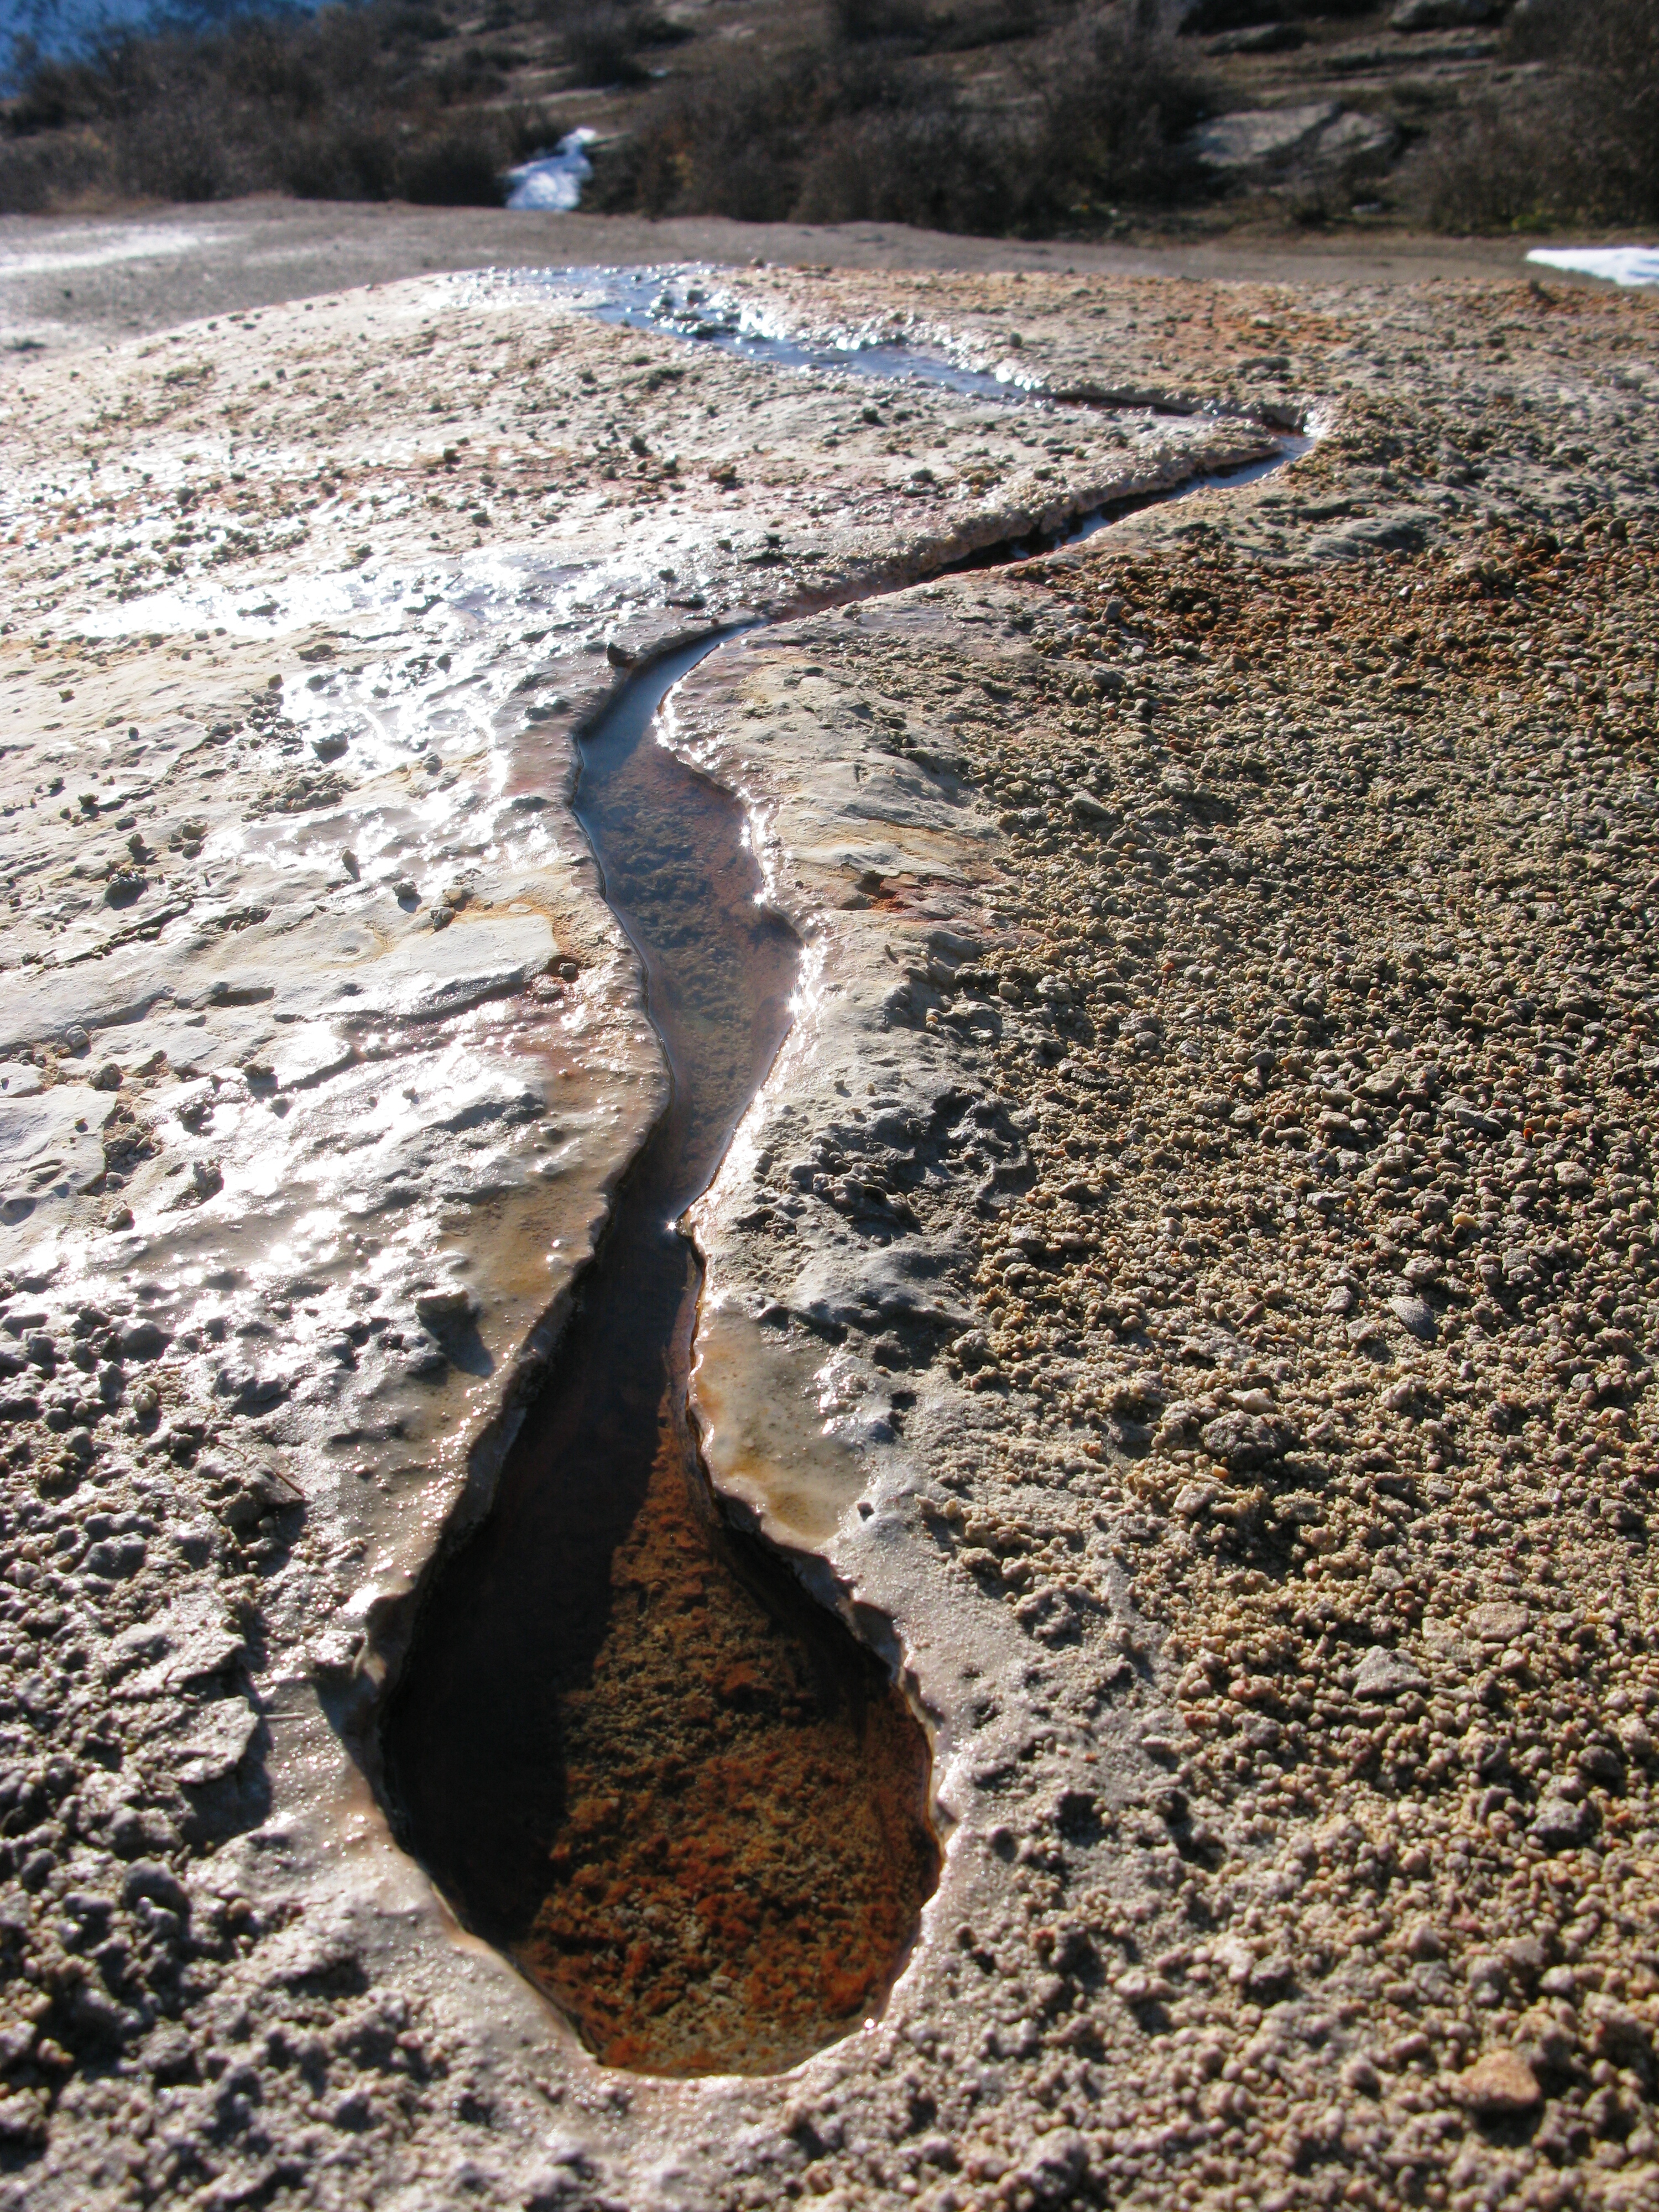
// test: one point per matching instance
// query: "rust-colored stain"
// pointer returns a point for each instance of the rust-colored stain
(631, 1748)
(742, 1864)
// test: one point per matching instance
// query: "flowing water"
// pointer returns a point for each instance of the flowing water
(691, 303)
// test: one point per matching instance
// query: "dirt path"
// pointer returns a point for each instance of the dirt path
(69, 280)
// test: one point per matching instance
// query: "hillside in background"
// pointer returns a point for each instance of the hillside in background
(1029, 116)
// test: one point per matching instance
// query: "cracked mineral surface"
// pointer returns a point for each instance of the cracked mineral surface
(1185, 1290)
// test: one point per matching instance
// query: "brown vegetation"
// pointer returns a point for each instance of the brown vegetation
(340, 107)
(1579, 143)
(1024, 116)
(870, 128)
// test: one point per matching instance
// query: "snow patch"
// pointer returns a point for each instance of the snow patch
(1620, 264)
(553, 182)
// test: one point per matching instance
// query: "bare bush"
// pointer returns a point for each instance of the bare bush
(1581, 148)
(601, 46)
(857, 132)
(865, 123)
(1116, 105)
(39, 174)
(327, 107)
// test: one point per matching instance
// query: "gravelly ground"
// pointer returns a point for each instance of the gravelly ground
(1239, 952)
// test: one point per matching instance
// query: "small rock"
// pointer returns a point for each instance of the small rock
(1272, 1979)
(1500, 1621)
(1618, 2035)
(1561, 1826)
(1384, 1674)
(1055, 2165)
(1599, 1763)
(1244, 1441)
(447, 1308)
(333, 1655)
(1524, 1956)
(1487, 1976)
(144, 1339)
(1637, 1737)
(1195, 1498)
(168, 2054)
(1416, 1318)
(23, 2123)
(1498, 2083)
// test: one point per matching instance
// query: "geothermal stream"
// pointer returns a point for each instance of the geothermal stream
(631, 1750)
(619, 1714)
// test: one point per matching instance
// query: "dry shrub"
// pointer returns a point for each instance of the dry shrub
(864, 123)
(1582, 147)
(858, 131)
(602, 45)
(1116, 107)
(333, 106)
(40, 175)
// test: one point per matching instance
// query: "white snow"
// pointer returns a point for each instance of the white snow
(1621, 265)
(553, 182)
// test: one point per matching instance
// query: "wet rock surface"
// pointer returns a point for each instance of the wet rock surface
(1202, 1216)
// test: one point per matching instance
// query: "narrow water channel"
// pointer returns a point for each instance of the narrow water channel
(628, 1747)
(631, 1751)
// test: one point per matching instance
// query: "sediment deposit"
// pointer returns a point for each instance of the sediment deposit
(1184, 1292)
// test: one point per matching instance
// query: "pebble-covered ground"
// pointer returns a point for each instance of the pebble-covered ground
(1288, 1182)
(1240, 925)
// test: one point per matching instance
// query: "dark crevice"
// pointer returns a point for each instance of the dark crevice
(631, 1748)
